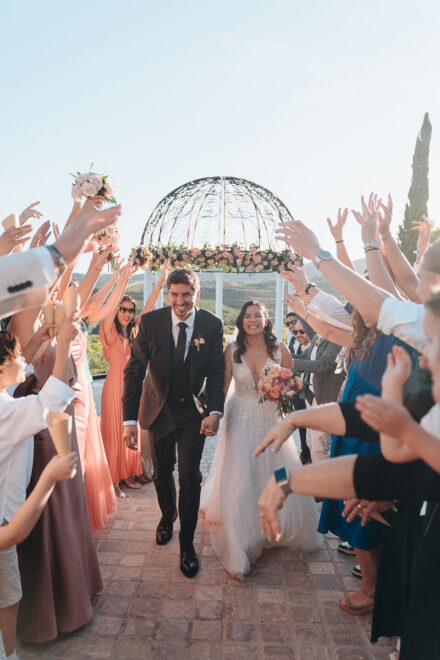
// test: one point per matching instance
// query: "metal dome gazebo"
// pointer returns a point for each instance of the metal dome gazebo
(219, 224)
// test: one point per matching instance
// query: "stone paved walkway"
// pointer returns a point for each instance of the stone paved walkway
(286, 608)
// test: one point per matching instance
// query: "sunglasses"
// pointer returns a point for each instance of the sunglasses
(290, 322)
(127, 310)
(299, 332)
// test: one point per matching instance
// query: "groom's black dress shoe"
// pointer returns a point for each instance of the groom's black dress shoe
(189, 564)
(164, 532)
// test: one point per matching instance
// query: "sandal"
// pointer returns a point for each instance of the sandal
(346, 605)
(119, 493)
(131, 483)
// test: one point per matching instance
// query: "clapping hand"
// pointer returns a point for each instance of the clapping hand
(29, 212)
(337, 228)
(13, 238)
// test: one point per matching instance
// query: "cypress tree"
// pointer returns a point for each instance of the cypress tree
(418, 194)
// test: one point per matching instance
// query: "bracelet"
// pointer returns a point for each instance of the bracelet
(384, 238)
(370, 249)
(57, 258)
(341, 241)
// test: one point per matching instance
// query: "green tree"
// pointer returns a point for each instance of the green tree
(418, 193)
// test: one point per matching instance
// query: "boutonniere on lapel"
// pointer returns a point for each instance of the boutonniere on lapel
(196, 343)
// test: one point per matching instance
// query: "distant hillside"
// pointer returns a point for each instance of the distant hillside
(235, 292)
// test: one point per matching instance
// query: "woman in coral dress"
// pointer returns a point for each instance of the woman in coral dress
(117, 333)
(101, 499)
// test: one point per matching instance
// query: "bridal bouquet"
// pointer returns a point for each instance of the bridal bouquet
(279, 385)
(91, 184)
(140, 256)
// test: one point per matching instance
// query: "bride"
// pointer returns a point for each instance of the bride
(236, 480)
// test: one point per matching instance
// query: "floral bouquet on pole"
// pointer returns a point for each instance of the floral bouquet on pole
(279, 385)
(140, 256)
(91, 184)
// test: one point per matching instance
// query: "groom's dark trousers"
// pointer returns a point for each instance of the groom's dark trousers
(186, 436)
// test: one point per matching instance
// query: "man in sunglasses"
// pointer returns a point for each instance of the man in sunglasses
(297, 344)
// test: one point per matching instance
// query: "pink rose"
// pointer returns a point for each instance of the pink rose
(275, 392)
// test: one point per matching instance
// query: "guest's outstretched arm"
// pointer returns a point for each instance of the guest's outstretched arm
(152, 298)
(23, 521)
(108, 312)
(324, 329)
(363, 296)
(336, 231)
(97, 300)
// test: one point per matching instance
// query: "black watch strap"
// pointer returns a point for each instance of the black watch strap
(308, 287)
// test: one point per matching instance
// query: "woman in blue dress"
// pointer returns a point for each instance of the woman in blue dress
(367, 360)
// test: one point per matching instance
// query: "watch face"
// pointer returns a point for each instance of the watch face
(324, 254)
(281, 474)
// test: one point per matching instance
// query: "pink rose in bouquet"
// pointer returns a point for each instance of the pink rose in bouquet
(277, 384)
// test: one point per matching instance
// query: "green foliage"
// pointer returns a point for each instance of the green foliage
(95, 356)
(418, 193)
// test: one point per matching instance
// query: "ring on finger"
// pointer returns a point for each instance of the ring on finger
(359, 506)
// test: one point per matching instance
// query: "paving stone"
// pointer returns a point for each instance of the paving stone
(310, 635)
(134, 649)
(314, 653)
(113, 606)
(279, 652)
(204, 592)
(321, 568)
(173, 629)
(351, 653)
(97, 647)
(241, 632)
(140, 628)
(106, 625)
(241, 652)
(146, 608)
(209, 609)
(204, 651)
(275, 633)
(273, 612)
(207, 630)
(306, 614)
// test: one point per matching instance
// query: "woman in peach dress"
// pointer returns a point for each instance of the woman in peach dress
(117, 332)
(101, 499)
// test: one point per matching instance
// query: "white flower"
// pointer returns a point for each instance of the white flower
(76, 192)
(81, 179)
(88, 190)
(95, 180)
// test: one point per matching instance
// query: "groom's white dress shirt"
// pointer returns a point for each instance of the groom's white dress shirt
(175, 330)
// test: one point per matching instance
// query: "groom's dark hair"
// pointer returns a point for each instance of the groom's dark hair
(183, 276)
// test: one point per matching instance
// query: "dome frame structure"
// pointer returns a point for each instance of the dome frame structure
(218, 209)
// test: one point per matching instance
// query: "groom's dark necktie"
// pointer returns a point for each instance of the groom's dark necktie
(181, 341)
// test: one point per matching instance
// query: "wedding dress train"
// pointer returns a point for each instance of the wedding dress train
(229, 496)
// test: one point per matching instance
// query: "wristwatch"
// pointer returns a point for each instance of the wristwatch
(308, 287)
(323, 255)
(282, 480)
(57, 258)
(371, 245)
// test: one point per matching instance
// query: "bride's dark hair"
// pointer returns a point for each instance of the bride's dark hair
(269, 338)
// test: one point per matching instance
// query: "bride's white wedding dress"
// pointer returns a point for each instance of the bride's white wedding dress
(236, 480)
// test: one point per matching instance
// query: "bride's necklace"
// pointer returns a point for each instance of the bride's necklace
(255, 350)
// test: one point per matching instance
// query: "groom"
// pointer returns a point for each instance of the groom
(179, 402)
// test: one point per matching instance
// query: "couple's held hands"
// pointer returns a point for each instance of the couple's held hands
(275, 437)
(210, 424)
(131, 436)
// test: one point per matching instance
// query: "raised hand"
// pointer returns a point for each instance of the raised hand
(41, 235)
(297, 276)
(337, 228)
(56, 231)
(30, 212)
(275, 437)
(69, 329)
(423, 226)
(384, 217)
(368, 218)
(14, 237)
(296, 304)
(399, 367)
(164, 272)
(300, 238)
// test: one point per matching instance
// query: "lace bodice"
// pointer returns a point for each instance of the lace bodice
(243, 379)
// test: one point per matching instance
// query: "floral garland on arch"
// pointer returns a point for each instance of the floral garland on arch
(228, 258)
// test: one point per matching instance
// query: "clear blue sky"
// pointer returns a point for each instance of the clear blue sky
(318, 101)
